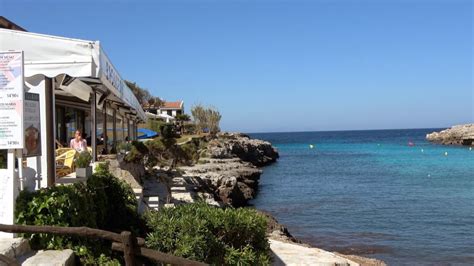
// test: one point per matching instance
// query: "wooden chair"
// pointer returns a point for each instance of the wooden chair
(65, 163)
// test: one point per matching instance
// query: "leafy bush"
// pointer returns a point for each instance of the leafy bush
(137, 152)
(168, 131)
(84, 159)
(124, 147)
(105, 202)
(209, 234)
(114, 200)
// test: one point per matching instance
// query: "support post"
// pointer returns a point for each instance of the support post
(49, 150)
(104, 128)
(129, 133)
(128, 246)
(94, 126)
(135, 130)
(114, 128)
(8, 192)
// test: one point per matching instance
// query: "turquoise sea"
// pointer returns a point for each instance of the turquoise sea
(370, 193)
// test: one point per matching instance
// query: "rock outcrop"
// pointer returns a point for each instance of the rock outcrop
(232, 181)
(456, 135)
(231, 145)
(228, 167)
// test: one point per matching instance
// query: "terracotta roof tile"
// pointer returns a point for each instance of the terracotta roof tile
(172, 105)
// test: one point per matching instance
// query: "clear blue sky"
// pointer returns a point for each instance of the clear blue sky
(284, 65)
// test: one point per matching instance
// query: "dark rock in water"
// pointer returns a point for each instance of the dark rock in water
(231, 145)
(457, 135)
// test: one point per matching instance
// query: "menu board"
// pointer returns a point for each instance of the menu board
(32, 125)
(11, 100)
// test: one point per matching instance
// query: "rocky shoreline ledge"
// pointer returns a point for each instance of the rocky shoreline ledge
(227, 169)
(456, 135)
(227, 173)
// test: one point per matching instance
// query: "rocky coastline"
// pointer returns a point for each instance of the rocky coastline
(228, 173)
(228, 168)
(456, 135)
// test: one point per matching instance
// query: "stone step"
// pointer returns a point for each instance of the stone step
(153, 202)
(48, 257)
(14, 247)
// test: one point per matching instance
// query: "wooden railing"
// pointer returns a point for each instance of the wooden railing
(124, 242)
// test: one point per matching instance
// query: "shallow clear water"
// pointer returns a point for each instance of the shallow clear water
(369, 193)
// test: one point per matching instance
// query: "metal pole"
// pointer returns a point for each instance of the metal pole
(94, 126)
(50, 104)
(114, 128)
(104, 128)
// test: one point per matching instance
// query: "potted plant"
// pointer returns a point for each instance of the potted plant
(83, 167)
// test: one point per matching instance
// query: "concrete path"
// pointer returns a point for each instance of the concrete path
(284, 253)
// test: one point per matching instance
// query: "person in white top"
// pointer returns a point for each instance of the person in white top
(78, 143)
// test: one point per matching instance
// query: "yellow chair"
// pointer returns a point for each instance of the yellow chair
(65, 163)
(61, 151)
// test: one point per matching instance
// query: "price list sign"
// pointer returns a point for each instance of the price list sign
(11, 100)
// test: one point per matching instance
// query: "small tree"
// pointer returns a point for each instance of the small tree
(181, 118)
(213, 120)
(199, 116)
(206, 118)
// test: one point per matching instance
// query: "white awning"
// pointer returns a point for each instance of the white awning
(52, 56)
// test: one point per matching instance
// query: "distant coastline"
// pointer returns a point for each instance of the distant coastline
(456, 135)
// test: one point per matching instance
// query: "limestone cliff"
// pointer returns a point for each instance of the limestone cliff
(456, 135)
(228, 167)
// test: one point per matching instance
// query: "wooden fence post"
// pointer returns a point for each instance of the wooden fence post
(128, 248)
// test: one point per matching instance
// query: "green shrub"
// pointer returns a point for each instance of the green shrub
(114, 200)
(124, 147)
(105, 202)
(189, 153)
(209, 234)
(168, 131)
(137, 153)
(84, 159)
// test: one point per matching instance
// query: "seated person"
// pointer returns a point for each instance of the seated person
(78, 143)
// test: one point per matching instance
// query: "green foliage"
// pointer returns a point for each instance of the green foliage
(183, 117)
(137, 153)
(124, 147)
(212, 235)
(105, 202)
(84, 159)
(189, 152)
(206, 118)
(154, 124)
(114, 200)
(143, 95)
(168, 131)
(156, 152)
(189, 128)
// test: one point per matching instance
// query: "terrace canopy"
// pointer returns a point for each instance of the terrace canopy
(72, 72)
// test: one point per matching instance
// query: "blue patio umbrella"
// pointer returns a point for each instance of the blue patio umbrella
(145, 133)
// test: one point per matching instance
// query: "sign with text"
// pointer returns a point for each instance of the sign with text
(32, 125)
(11, 100)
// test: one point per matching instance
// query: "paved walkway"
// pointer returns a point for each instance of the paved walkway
(293, 254)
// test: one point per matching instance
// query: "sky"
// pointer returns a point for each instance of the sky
(281, 66)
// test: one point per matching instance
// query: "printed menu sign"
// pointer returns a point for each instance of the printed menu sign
(11, 100)
(32, 125)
